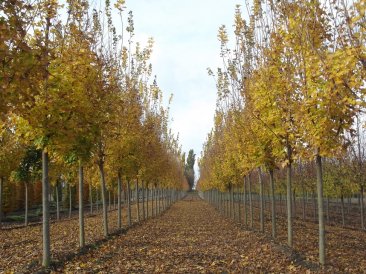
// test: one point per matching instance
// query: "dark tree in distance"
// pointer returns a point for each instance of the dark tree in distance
(189, 168)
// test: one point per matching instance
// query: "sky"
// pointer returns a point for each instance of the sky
(186, 44)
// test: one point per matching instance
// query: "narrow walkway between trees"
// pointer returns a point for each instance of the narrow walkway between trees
(190, 237)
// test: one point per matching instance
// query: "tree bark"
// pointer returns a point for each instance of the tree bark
(26, 204)
(91, 198)
(104, 198)
(289, 198)
(261, 205)
(81, 207)
(119, 189)
(273, 204)
(46, 259)
(319, 175)
(245, 202)
(250, 202)
(1, 199)
(137, 200)
(70, 200)
(143, 200)
(128, 203)
(57, 202)
(362, 208)
(342, 210)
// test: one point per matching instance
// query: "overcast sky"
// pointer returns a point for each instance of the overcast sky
(186, 44)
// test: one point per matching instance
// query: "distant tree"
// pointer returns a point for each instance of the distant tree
(189, 168)
(29, 170)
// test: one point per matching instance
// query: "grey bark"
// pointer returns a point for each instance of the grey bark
(289, 200)
(250, 201)
(128, 203)
(46, 259)
(319, 175)
(137, 200)
(104, 198)
(57, 202)
(273, 204)
(26, 204)
(119, 189)
(261, 205)
(70, 201)
(81, 207)
(1, 199)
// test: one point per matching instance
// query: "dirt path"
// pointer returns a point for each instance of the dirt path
(190, 237)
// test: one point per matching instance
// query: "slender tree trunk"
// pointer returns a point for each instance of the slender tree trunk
(239, 206)
(46, 212)
(1, 199)
(143, 200)
(97, 201)
(119, 189)
(294, 204)
(362, 208)
(250, 201)
(81, 206)
(91, 198)
(273, 204)
(104, 198)
(70, 201)
(261, 204)
(342, 210)
(328, 215)
(147, 200)
(137, 200)
(314, 207)
(57, 202)
(245, 201)
(26, 204)
(319, 176)
(109, 200)
(289, 200)
(128, 204)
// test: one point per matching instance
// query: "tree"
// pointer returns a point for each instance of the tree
(189, 168)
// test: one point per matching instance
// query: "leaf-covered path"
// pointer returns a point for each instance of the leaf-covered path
(190, 237)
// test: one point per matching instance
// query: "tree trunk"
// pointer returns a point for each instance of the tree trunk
(57, 202)
(46, 259)
(342, 210)
(362, 208)
(328, 215)
(245, 202)
(81, 206)
(289, 199)
(314, 207)
(70, 201)
(119, 189)
(26, 204)
(273, 204)
(137, 200)
(319, 175)
(294, 204)
(250, 202)
(97, 199)
(109, 200)
(143, 200)
(261, 205)
(104, 198)
(147, 200)
(91, 198)
(128, 204)
(1, 199)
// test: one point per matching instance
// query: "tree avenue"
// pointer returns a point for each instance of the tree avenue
(78, 97)
(291, 94)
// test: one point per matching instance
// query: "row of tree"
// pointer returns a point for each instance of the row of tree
(291, 93)
(77, 93)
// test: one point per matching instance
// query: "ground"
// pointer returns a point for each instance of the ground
(190, 237)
